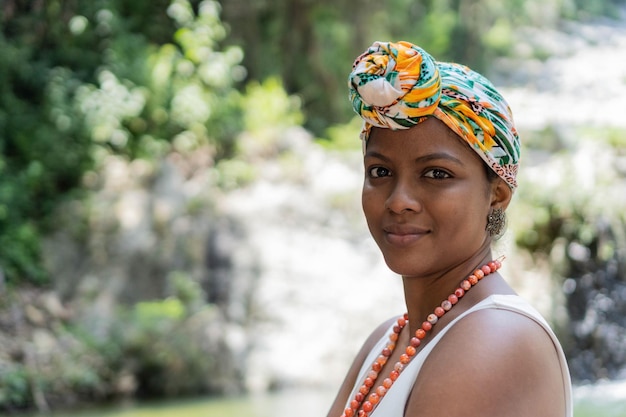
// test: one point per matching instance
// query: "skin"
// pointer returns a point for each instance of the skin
(426, 198)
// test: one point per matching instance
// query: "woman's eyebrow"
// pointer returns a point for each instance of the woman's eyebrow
(439, 155)
(374, 154)
(421, 159)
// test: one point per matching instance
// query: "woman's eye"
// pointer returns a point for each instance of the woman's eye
(437, 174)
(378, 172)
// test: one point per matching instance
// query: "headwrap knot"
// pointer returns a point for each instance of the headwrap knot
(398, 85)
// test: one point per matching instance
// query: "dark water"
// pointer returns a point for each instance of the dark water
(283, 404)
(600, 400)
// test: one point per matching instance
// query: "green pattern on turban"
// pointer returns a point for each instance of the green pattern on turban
(398, 85)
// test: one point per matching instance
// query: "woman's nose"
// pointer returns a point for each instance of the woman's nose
(403, 197)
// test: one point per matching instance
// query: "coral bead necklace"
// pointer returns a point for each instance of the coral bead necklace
(366, 399)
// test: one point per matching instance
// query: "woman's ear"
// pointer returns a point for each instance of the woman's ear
(501, 194)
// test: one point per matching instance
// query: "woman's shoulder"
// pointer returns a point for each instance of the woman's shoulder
(505, 364)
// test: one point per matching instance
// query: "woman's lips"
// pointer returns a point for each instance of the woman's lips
(403, 234)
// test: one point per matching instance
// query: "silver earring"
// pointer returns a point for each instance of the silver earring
(496, 221)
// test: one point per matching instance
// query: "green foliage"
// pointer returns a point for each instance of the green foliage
(569, 215)
(83, 80)
(580, 9)
(14, 386)
(311, 45)
(268, 110)
(56, 375)
(574, 196)
(154, 314)
(41, 160)
(161, 341)
(343, 136)
(164, 347)
(268, 105)
(187, 291)
(234, 173)
(267, 114)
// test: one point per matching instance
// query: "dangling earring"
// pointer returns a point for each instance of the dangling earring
(495, 222)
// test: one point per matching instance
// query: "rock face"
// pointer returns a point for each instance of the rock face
(579, 88)
(596, 303)
(286, 259)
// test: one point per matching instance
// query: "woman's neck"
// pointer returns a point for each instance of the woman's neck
(423, 294)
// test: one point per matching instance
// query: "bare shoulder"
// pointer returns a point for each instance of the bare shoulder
(491, 363)
(350, 379)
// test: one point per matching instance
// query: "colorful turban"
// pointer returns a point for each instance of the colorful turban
(398, 85)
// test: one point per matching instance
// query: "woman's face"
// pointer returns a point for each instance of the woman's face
(426, 198)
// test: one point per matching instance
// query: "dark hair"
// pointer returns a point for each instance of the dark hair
(491, 174)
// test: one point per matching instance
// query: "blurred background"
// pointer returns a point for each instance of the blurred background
(180, 223)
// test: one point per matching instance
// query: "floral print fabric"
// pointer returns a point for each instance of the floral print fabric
(398, 85)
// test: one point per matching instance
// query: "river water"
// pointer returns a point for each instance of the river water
(598, 400)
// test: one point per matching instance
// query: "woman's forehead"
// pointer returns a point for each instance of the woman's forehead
(431, 135)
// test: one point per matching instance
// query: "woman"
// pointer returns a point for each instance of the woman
(441, 155)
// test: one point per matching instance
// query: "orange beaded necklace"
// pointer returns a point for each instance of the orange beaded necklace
(362, 407)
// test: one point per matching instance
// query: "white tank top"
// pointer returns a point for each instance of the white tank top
(394, 401)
